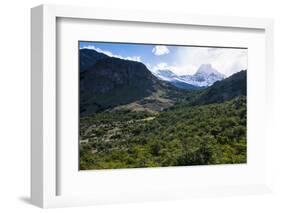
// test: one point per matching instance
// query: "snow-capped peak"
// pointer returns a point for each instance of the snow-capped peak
(205, 76)
(206, 70)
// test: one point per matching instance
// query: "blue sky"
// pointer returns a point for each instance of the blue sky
(181, 60)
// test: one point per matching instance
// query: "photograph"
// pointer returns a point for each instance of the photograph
(144, 105)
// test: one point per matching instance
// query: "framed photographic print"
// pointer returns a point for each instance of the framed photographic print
(137, 106)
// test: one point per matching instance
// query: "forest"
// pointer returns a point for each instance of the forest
(182, 135)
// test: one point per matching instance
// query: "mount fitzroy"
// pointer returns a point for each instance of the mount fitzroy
(113, 84)
(205, 76)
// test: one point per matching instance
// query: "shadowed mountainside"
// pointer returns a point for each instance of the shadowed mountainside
(227, 89)
(88, 57)
(112, 82)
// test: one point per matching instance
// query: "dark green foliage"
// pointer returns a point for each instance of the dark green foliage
(183, 135)
(224, 90)
(183, 85)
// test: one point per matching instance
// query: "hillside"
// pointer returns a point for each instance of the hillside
(183, 135)
(220, 91)
(88, 57)
(112, 82)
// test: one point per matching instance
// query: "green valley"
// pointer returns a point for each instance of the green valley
(129, 118)
(182, 135)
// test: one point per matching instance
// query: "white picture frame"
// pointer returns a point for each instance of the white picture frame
(44, 155)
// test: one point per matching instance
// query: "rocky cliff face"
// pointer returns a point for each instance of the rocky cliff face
(88, 57)
(111, 73)
(113, 81)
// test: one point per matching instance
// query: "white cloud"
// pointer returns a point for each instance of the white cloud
(160, 50)
(160, 66)
(225, 60)
(179, 70)
(131, 58)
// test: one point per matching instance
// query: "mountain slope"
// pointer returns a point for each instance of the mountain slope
(183, 85)
(166, 75)
(88, 57)
(112, 82)
(227, 89)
